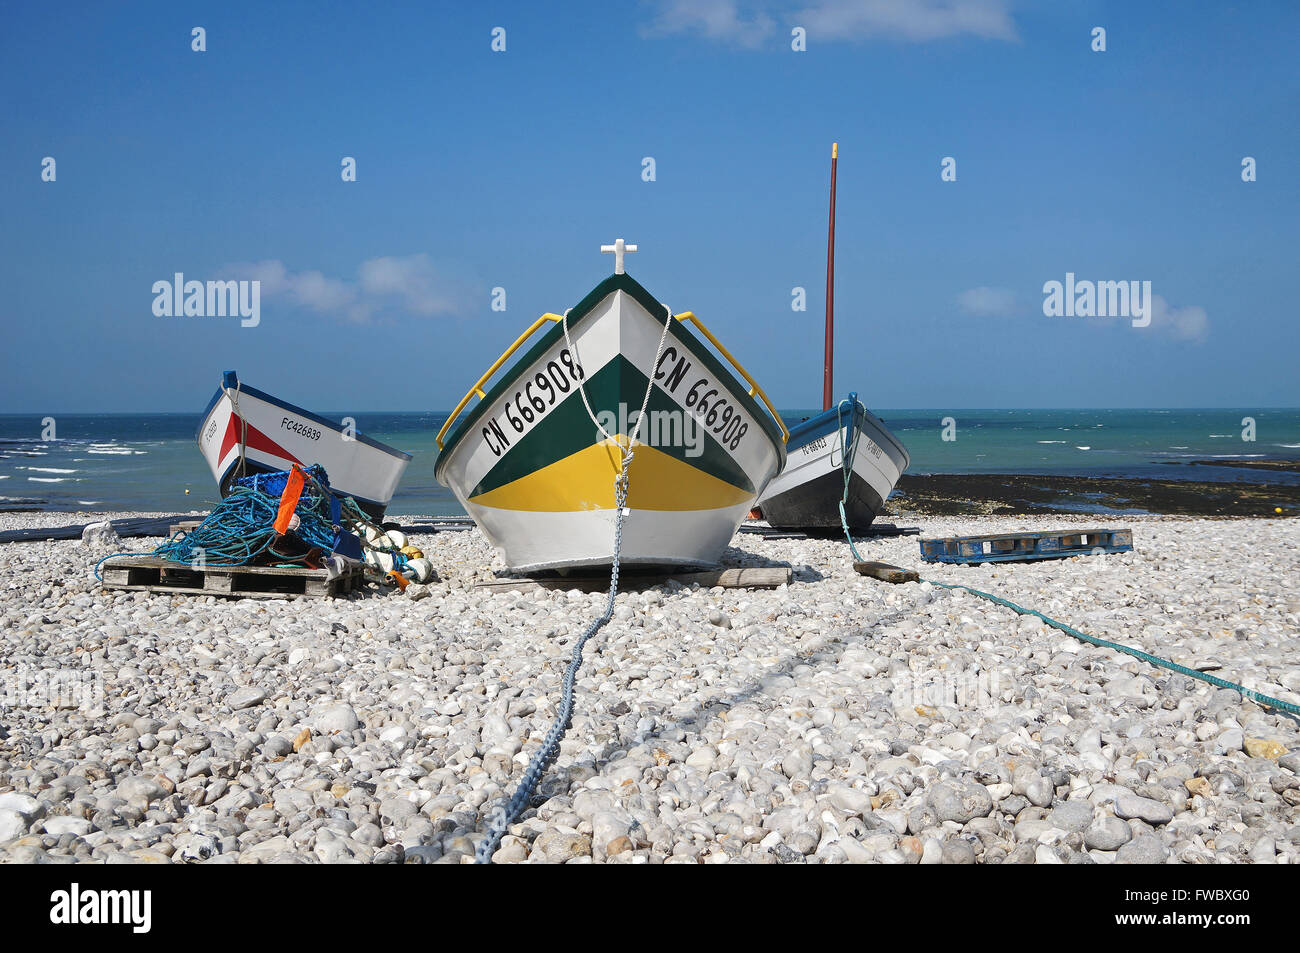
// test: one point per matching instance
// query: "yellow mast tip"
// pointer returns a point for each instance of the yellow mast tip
(835, 148)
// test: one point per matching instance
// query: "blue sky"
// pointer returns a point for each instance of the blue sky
(479, 169)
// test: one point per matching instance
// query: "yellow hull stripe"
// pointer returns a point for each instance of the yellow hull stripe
(585, 481)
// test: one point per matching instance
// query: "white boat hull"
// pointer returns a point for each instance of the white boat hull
(265, 433)
(807, 493)
(541, 490)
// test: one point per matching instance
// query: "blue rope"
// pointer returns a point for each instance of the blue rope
(241, 527)
(550, 749)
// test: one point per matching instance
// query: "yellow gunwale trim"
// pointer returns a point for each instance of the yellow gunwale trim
(477, 389)
(754, 389)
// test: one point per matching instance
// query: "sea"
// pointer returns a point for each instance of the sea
(151, 463)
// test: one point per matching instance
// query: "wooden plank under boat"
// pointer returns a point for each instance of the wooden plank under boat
(531, 467)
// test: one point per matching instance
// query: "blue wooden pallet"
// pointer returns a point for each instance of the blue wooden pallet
(1014, 547)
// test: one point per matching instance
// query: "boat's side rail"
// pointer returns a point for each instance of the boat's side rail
(754, 389)
(477, 389)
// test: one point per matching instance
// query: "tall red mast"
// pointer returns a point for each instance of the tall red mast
(828, 385)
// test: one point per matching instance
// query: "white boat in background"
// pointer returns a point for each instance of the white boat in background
(808, 492)
(245, 431)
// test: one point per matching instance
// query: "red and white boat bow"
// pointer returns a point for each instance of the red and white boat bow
(245, 430)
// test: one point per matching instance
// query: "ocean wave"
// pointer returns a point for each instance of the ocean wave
(1051, 441)
(1082, 448)
(46, 470)
(1221, 436)
(48, 479)
(1288, 446)
(114, 449)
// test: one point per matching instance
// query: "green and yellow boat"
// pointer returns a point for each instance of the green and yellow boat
(535, 461)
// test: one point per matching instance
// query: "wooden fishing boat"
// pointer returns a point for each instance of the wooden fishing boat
(246, 431)
(816, 484)
(534, 462)
(808, 492)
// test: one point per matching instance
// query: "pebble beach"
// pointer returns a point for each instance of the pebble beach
(837, 719)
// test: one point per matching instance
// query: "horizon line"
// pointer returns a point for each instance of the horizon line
(944, 409)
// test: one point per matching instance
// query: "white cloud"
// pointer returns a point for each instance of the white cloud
(409, 284)
(412, 281)
(1184, 324)
(917, 21)
(313, 290)
(988, 302)
(712, 19)
(751, 23)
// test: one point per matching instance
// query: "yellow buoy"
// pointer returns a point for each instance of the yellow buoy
(1276, 509)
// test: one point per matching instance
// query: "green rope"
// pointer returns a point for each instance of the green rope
(1136, 653)
(846, 462)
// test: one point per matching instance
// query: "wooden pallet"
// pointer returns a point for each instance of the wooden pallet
(153, 574)
(752, 578)
(184, 526)
(1009, 547)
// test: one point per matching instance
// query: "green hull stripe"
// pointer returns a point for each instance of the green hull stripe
(567, 429)
(470, 423)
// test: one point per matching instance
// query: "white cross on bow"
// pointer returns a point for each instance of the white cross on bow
(617, 249)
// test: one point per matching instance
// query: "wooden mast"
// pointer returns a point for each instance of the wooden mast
(828, 385)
